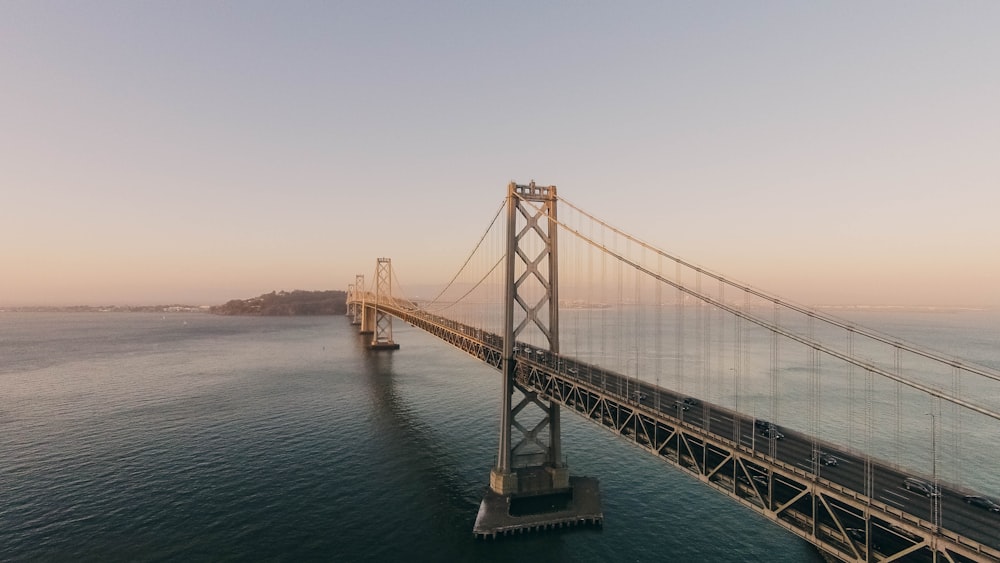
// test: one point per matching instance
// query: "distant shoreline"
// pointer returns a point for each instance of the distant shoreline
(275, 304)
(109, 309)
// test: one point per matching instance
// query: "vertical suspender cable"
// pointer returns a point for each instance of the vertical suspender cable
(869, 433)
(814, 396)
(772, 442)
(590, 294)
(700, 331)
(638, 312)
(956, 456)
(737, 372)
(575, 253)
(720, 343)
(604, 309)
(679, 331)
(620, 320)
(658, 331)
(897, 443)
(850, 390)
(935, 444)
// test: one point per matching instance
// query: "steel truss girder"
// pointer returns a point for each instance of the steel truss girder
(820, 499)
(471, 341)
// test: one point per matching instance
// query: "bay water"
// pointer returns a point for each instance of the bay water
(194, 437)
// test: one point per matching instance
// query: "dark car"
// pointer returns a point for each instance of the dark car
(690, 401)
(825, 459)
(982, 502)
(771, 432)
(923, 487)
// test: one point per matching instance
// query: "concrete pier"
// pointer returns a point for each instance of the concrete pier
(579, 505)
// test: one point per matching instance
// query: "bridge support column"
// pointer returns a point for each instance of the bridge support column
(503, 483)
(559, 476)
(531, 482)
(367, 318)
(380, 322)
(357, 307)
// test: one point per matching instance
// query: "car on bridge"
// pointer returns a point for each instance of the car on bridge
(771, 432)
(923, 487)
(638, 395)
(686, 403)
(824, 458)
(982, 502)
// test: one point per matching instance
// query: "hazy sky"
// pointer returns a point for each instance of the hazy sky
(828, 152)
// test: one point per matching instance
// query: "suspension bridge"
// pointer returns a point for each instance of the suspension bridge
(866, 446)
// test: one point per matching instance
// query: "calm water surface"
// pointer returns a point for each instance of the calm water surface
(195, 437)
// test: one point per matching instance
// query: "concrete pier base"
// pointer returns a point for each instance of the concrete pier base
(383, 346)
(506, 515)
(502, 483)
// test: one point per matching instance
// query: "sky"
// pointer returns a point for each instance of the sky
(195, 152)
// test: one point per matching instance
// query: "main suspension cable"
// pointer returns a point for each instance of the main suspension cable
(874, 335)
(775, 326)
(469, 258)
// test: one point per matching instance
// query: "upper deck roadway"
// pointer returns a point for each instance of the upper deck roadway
(777, 477)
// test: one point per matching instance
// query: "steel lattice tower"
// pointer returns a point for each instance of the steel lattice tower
(349, 300)
(359, 304)
(538, 271)
(382, 333)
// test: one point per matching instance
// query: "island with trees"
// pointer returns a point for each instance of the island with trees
(287, 303)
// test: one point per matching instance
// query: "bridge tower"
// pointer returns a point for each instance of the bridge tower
(358, 311)
(349, 301)
(533, 466)
(381, 322)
